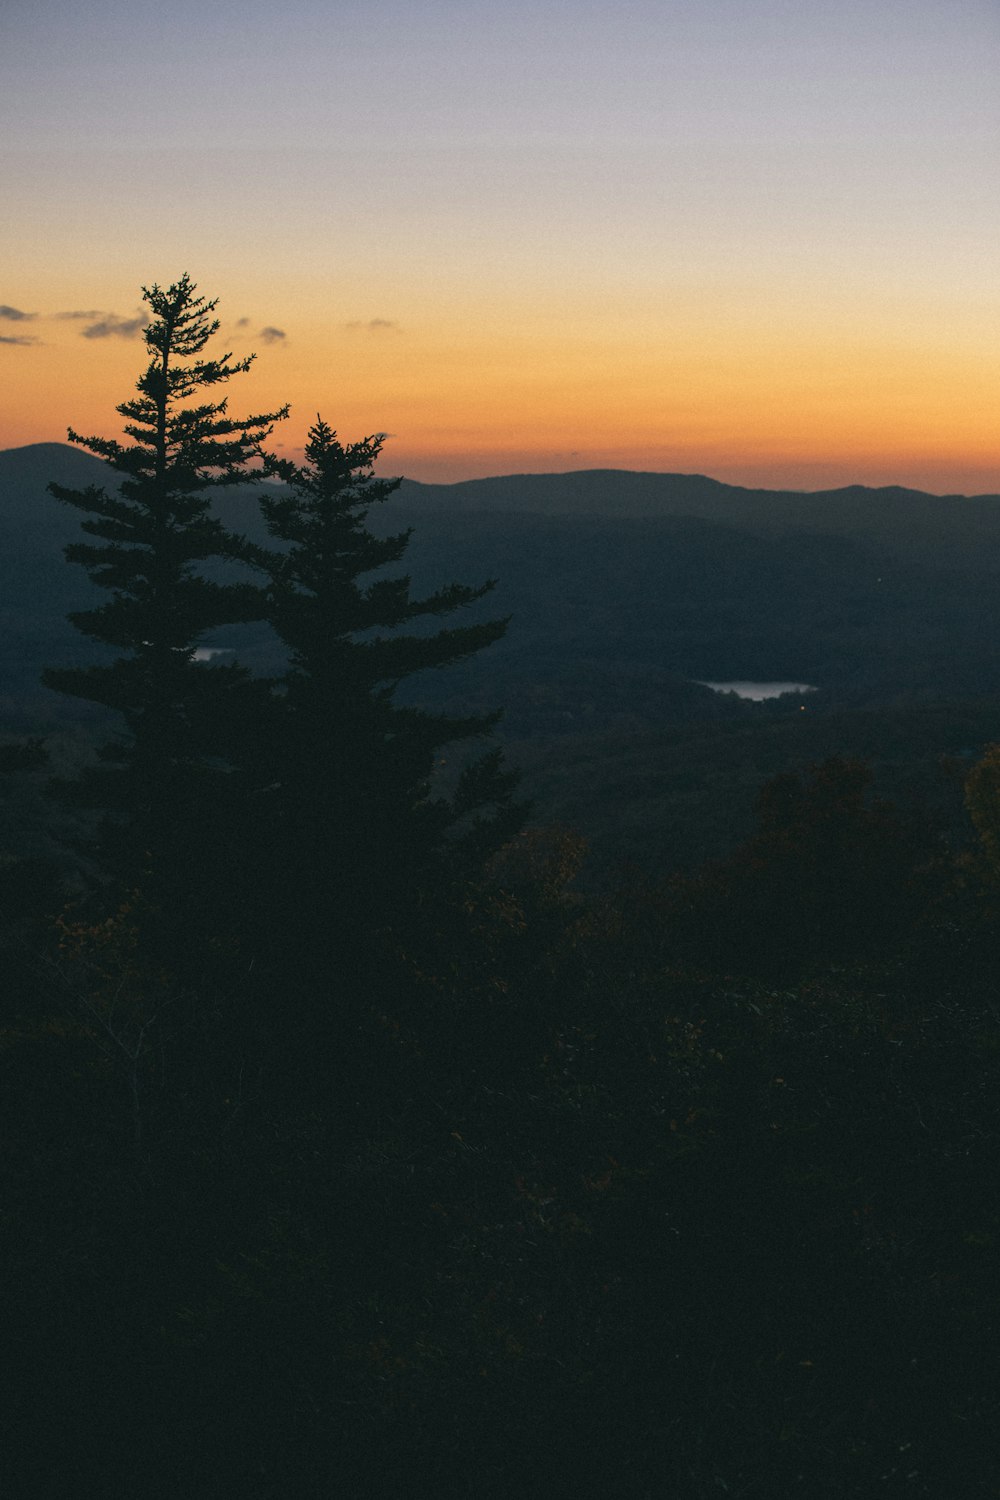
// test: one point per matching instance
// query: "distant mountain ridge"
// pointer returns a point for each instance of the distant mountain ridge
(623, 586)
(637, 491)
(910, 522)
(581, 488)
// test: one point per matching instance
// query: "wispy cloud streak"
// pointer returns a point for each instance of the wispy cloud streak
(111, 326)
(373, 325)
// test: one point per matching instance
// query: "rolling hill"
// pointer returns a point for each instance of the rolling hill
(626, 593)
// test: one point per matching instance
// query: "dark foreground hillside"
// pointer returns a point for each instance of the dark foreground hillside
(606, 1207)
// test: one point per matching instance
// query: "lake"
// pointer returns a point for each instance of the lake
(758, 691)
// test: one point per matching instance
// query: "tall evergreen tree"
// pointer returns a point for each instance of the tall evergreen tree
(357, 834)
(154, 534)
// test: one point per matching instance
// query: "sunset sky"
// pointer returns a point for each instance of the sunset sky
(758, 239)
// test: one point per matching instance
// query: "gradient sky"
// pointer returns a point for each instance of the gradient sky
(758, 239)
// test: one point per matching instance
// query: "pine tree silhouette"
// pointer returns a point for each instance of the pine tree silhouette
(354, 833)
(154, 534)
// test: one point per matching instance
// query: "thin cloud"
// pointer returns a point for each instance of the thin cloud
(242, 322)
(23, 338)
(88, 316)
(374, 325)
(111, 326)
(272, 335)
(15, 315)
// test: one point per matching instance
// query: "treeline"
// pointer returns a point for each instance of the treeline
(351, 1151)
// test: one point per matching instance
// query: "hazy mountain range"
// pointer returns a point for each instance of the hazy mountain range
(626, 592)
(618, 577)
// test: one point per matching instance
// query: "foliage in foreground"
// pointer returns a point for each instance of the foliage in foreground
(576, 1216)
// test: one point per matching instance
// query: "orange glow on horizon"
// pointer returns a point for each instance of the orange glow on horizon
(794, 405)
(752, 241)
